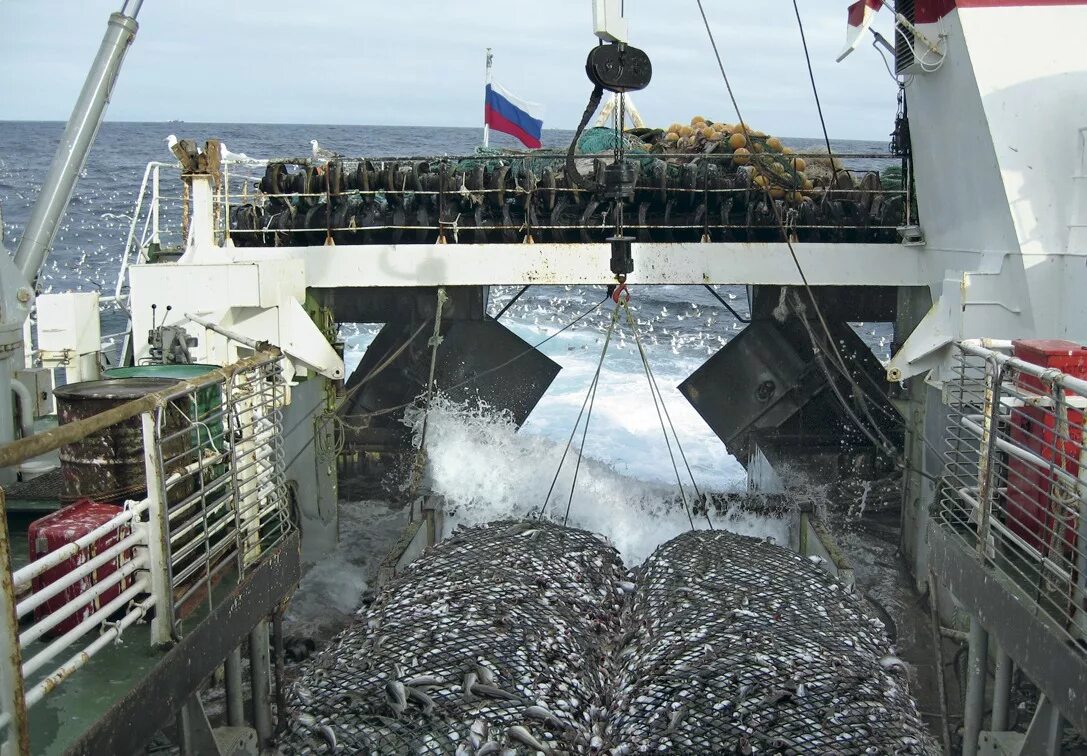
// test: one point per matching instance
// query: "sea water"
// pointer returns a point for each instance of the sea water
(479, 462)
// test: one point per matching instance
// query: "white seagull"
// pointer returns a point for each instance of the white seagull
(320, 153)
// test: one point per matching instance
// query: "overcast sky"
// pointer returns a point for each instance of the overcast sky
(420, 62)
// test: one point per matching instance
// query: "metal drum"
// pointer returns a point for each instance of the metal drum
(108, 466)
(209, 399)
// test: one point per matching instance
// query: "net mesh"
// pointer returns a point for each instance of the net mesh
(524, 636)
(739, 646)
(532, 605)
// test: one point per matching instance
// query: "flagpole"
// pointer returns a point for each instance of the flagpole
(487, 83)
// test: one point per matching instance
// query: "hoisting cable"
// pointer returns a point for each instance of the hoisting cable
(589, 396)
(815, 92)
(726, 305)
(389, 410)
(434, 342)
(654, 390)
(837, 362)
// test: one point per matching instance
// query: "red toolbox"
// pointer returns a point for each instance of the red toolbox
(1033, 512)
(57, 530)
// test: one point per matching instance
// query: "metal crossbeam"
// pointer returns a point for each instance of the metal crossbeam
(398, 265)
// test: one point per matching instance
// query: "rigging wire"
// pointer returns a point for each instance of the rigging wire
(654, 390)
(726, 305)
(815, 89)
(341, 420)
(510, 303)
(838, 362)
(588, 396)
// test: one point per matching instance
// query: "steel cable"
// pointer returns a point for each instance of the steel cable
(654, 390)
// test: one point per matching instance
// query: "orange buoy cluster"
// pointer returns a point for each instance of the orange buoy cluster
(772, 165)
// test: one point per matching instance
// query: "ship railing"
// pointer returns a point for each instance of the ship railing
(156, 224)
(1015, 479)
(216, 501)
(249, 210)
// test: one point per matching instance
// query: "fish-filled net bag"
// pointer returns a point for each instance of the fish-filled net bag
(734, 645)
(496, 639)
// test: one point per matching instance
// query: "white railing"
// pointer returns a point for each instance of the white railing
(1015, 480)
(216, 502)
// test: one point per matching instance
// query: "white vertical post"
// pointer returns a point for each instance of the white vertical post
(158, 536)
(202, 224)
(154, 207)
(487, 83)
(16, 739)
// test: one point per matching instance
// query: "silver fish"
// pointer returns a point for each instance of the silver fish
(477, 733)
(676, 719)
(521, 735)
(545, 715)
(423, 681)
(488, 748)
(490, 691)
(329, 735)
(484, 674)
(396, 696)
(467, 685)
(420, 698)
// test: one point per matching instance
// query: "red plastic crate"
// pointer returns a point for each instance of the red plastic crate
(66, 525)
(1030, 506)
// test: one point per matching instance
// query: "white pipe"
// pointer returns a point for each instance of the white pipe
(63, 672)
(131, 233)
(40, 597)
(969, 423)
(232, 335)
(26, 407)
(1051, 375)
(38, 629)
(39, 660)
(38, 567)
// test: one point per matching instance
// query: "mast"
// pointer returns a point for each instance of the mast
(76, 142)
(487, 83)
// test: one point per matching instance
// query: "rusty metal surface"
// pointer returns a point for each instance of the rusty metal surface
(14, 702)
(107, 465)
(134, 719)
(1029, 638)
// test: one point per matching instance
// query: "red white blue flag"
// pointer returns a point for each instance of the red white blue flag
(512, 115)
(861, 15)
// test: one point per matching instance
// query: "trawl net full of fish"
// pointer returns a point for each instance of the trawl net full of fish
(526, 637)
(497, 638)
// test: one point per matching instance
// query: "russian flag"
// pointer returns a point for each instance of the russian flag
(511, 115)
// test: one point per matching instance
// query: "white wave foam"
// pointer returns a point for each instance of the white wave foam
(486, 470)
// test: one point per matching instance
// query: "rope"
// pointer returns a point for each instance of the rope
(815, 89)
(838, 362)
(434, 342)
(488, 371)
(654, 390)
(572, 174)
(590, 394)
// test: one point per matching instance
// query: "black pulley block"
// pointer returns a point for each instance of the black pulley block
(622, 261)
(619, 68)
